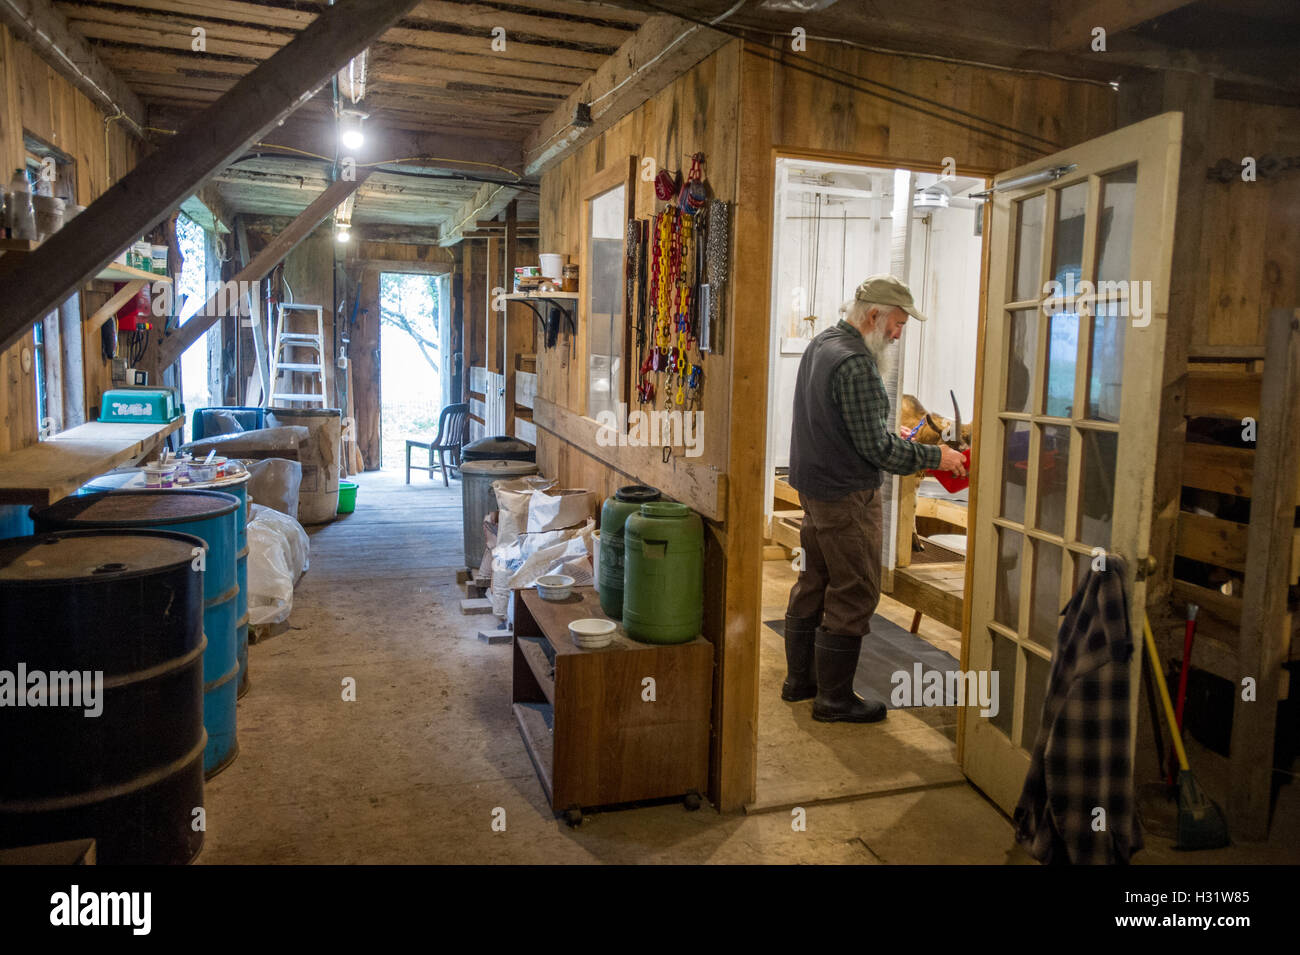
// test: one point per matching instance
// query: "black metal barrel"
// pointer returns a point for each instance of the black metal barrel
(127, 605)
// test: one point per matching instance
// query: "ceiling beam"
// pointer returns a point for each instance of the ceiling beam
(37, 23)
(662, 50)
(172, 344)
(482, 156)
(169, 175)
(488, 201)
(1073, 22)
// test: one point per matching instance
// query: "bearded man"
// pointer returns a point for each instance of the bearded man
(841, 444)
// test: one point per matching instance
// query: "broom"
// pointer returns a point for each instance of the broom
(1200, 822)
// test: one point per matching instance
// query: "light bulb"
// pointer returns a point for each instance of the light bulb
(343, 235)
(352, 138)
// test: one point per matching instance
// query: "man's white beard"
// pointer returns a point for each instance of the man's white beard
(878, 344)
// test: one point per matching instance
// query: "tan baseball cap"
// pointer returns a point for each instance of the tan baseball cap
(887, 290)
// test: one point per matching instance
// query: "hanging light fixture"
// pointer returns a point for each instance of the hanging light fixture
(351, 136)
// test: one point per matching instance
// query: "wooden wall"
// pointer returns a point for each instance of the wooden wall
(697, 113)
(1250, 239)
(36, 98)
(741, 109)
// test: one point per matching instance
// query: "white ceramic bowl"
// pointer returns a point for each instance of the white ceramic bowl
(592, 633)
(554, 586)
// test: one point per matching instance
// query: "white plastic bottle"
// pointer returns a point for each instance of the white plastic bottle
(20, 216)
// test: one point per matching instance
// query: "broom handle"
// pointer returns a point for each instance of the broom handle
(1164, 695)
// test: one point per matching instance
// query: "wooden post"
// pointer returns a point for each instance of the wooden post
(509, 347)
(735, 718)
(1265, 623)
(495, 320)
(166, 177)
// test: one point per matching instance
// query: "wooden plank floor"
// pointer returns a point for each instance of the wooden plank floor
(802, 761)
(414, 770)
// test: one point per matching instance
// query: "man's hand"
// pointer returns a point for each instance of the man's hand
(950, 460)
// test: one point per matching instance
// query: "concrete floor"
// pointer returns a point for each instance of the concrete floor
(414, 770)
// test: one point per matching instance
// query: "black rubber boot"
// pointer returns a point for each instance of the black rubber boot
(800, 679)
(837, 662)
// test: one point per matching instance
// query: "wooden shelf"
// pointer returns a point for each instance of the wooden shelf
(113, 272)
(49, 471)
(117, 272)
(541, 296)
(593, 738)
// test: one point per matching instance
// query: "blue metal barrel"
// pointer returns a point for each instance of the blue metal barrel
(241, 618)
(241, 641)
(210, 516)
(125, 607)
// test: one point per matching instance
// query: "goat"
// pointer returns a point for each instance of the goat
(919, 425)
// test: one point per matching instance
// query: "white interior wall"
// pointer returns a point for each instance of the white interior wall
(854, 244)
(945, 278)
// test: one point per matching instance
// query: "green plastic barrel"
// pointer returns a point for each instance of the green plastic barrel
(663, 573)
(613, 514)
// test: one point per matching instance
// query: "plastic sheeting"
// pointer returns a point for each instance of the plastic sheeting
(278, 555)
(518, 564)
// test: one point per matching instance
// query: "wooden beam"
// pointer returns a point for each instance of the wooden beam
(165, 178)
(410, 266)
(662, 50)
(489, 200)
(173, 345)
(1265, 623)
(1073, 22)
(39, 24)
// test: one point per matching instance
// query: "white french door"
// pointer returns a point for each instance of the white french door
(1069, 406)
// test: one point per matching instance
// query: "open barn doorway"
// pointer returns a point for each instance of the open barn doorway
(414, 350)
(835, 224)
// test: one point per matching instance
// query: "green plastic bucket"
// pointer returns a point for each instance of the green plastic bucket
(347, 497)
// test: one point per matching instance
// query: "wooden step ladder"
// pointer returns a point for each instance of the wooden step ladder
(283, 364)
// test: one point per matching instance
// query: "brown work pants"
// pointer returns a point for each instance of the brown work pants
(841, 554)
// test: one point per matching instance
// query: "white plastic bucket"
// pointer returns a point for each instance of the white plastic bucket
(552, 265)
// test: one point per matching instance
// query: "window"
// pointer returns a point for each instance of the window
(602, 287)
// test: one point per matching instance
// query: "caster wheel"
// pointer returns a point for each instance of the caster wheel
(573, 818)
(692, 801)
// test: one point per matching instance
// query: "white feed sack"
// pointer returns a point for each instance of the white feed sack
(513, 497)
(564, 508)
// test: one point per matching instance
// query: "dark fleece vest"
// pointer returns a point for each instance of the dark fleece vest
(824, 463)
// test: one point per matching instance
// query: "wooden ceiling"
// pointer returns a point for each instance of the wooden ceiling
(434, 72)
(439, 96)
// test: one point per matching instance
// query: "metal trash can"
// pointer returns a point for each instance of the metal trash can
(477, 499)
(498, 448)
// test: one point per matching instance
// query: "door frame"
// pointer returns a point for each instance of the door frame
(760, 354)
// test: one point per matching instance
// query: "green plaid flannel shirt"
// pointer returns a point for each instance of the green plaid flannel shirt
(860, 395)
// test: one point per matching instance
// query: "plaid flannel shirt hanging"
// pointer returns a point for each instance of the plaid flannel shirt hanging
(1081, 759)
